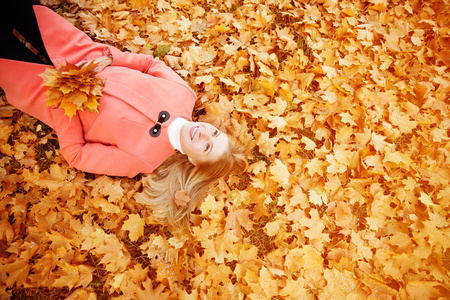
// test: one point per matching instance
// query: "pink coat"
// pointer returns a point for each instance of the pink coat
(137, 89)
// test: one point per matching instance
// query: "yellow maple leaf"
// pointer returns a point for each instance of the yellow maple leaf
(426, 199)
(222, 28)
(316, 165)
(135, 226)
(294, 289)
(69, 108)
(285, 92)
(311, 259)
(279, 173)
(76, 97)
(268, 283)
(274, 227)
(316, 196)
(267, 86)
(264, 69)
(342, 285)
(379, 7)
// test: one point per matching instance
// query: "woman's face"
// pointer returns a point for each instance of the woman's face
(202, 142)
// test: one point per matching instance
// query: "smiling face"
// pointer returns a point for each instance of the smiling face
(202, 142)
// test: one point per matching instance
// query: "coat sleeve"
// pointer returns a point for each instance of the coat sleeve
(55, 30)
(94, 158)
(144, 63)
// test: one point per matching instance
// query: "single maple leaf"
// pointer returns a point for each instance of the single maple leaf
(222, 28)
(424, 289)
(294, 289)
(279, 173)
(167, 271)
(267, 86)
(150, 293)
(315, 226)
(68, 276)
(275, 227)
(426, 199)
(316, 196)
(311, 259)
(268, 283)
(379, 7)
(181, 198)
(6, 231)
(238, 218)
(341, 285)
(15, 273)
(135, 226)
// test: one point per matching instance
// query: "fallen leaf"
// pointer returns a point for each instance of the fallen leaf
(182, 198)
(135, 226)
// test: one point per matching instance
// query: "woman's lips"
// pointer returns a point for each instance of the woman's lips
(193, 131)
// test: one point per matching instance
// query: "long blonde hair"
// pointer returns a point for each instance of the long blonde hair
(178, 173)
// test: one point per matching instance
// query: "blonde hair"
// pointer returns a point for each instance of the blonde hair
(178, 173)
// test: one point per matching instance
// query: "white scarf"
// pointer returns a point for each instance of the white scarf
(174, 131)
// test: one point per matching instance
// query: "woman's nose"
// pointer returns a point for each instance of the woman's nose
(206, 136)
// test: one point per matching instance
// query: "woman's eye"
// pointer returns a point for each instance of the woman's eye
(216, 132)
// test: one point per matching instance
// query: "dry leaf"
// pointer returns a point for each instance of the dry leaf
(135, 226)
(182, 198)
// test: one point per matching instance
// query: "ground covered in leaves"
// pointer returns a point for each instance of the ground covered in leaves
(345, 107)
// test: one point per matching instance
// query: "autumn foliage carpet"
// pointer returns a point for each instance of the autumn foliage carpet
(345, 108)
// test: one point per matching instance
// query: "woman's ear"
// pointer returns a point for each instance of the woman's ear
(192, 161)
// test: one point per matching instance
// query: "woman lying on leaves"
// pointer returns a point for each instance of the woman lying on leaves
(143, 123)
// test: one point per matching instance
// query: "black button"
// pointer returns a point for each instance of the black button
(156, 130)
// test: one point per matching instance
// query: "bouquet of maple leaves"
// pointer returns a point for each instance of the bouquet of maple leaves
(73, 87)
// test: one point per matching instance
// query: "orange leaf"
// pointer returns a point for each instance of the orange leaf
(181, 198)
(379, 7)
(17, 272)
(150, 293)
(166, 271)
(69, 276)
(135, 226)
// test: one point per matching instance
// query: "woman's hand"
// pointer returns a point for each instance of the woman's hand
(102, 62)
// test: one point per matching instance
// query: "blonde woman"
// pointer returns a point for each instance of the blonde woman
(143, 124)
